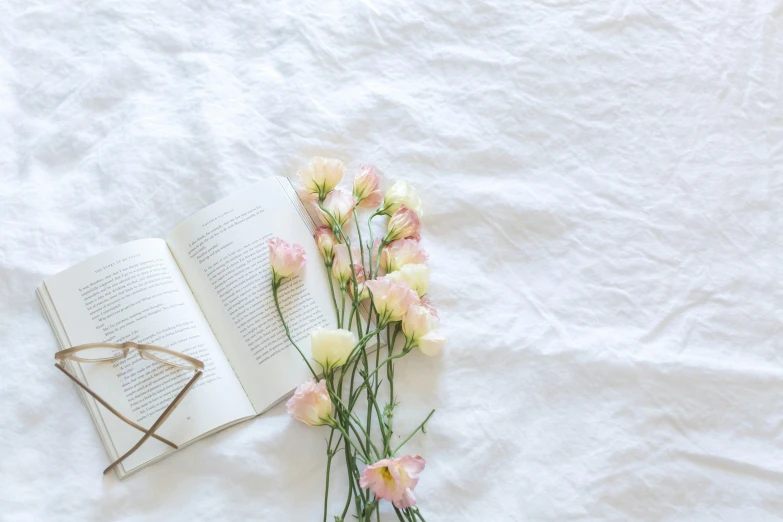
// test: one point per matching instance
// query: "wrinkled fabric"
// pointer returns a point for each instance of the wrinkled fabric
(602, 184)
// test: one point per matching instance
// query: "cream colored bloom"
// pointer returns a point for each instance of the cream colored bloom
(402, 193)
(416, 276)
(432, 343)
(321, 176)
(331, 348)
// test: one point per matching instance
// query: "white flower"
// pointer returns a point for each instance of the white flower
(331, 348)
(321, 176)
(402, 193)
(415, 275)
(432, 343)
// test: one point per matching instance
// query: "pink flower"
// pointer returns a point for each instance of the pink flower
(338, 205)
(286, 260)
(425, 302)
(392, 299)
(311, 404)
(394, 479)
(324, 238)
(420, 326)
(418, 321)
(365, 187)
(404, 223)
(320, 177)
(402, 252)
(341, 268)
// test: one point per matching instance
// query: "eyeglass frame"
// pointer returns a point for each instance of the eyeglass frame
(143, 349)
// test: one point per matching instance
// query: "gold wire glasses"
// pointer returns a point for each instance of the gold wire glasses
(108, 352)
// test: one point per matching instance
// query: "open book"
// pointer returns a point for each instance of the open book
(205, 291)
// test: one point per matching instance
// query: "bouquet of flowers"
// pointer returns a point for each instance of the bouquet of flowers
(387, 278)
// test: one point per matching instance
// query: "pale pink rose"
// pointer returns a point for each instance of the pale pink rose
(418, 322)
(338, 205)
(394, 479)
(425, 302)
(324, 238)
(286, 260)
(403, 224)
(365, 187)
(341, 267)
(402, 252)
(311, 404)
(320, 177)
(420, 326)
(392, 299)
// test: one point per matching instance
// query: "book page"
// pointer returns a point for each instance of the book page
(223, 253)
(135, 292)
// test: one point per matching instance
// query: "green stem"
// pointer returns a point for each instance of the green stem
(342, 294)
(420, 427)
(355, 298)
(331, 289)
(358, 232)
(358, 448)
(369, 247)
(329, 456)
(275, 286)
(385, 361)
(351, 417)
(399, 515)
(378, 260)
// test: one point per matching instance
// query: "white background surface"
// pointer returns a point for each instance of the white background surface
(603, 187)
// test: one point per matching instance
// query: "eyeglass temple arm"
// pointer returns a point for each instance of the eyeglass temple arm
(161, 420)
(108, 407)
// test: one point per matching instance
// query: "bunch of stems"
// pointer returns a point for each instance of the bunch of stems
(364, 438)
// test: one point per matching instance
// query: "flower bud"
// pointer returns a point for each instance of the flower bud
(324, 238)
(403, 224)
(365, 188)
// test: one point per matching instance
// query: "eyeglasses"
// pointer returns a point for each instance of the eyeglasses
(108, 352)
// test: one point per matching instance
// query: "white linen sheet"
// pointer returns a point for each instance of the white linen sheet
(603, 183)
